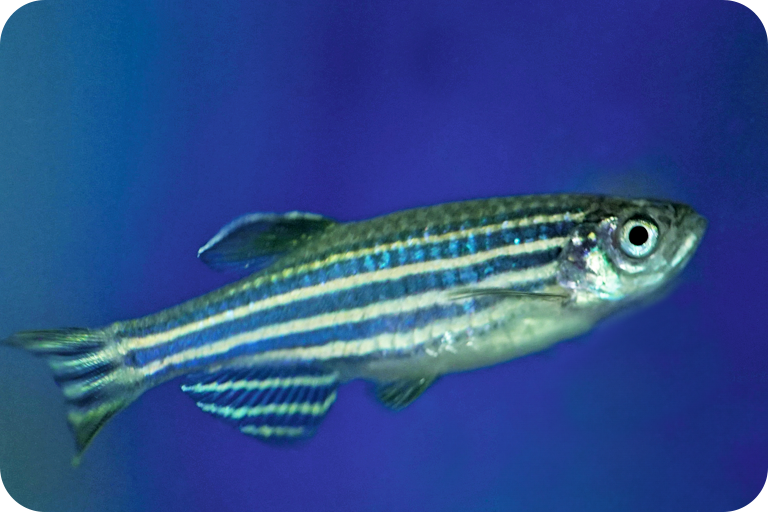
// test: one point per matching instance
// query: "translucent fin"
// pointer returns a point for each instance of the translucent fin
(88, 373)
(505, 293)
(255, 240)
(280, 403)
(399, 394)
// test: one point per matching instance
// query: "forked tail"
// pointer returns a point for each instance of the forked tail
(90, 372)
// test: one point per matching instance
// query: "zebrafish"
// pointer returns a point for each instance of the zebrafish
(398, 300)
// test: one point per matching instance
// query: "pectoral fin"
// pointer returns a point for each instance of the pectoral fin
(272, 403)
(505, 293)
(399, 394)
(255, 240)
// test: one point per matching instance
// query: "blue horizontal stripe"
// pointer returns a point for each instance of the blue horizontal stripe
(360, 296)
(463, 245)
(428, 225)
(396, 323)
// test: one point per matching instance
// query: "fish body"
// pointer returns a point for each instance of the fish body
(397, 300)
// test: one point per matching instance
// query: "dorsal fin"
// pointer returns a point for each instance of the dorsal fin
(280, 403)
(256, 239)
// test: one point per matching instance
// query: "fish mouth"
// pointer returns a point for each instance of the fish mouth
(692, 227)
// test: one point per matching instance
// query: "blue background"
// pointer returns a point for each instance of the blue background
(130, 132)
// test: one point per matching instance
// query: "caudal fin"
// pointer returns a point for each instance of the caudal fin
(90, 372)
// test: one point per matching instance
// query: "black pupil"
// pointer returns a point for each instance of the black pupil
(638, 235)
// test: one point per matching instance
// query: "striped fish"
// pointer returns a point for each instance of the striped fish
(397, 300)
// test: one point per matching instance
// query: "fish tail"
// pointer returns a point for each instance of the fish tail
(90, 372)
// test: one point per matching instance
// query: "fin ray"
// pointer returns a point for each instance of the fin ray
(88, 373)
(504, 293)
(254, 240)
(401, 393)
(280, 402)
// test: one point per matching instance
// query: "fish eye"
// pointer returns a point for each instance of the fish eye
(638, 237)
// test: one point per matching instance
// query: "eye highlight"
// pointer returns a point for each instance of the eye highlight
(638, 238)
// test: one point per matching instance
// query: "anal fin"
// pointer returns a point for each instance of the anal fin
(400, 393)
(271, 402)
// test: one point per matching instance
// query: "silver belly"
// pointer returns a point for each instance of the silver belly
(510, 329)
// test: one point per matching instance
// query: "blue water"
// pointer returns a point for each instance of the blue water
(131, 131)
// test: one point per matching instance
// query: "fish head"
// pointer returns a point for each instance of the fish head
(625, 250)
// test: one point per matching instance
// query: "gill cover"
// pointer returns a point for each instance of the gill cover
(628, 250)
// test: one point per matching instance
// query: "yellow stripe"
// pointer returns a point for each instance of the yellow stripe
(433, 239)
(336, 286)
(385, 341)
(267, 431)
(400, 305)
(250, 385)
(236, 413)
